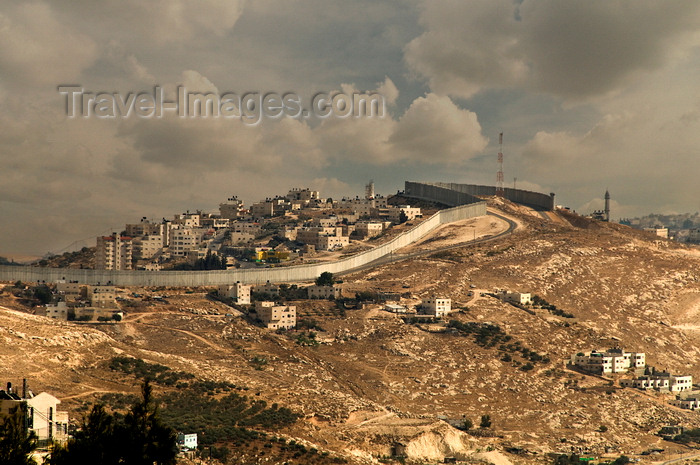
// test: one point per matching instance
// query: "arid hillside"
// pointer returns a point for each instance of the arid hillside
(370, 383)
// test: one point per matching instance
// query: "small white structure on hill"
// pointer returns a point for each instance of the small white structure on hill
(518, 297)
(187, 441)
(611, 361)
(393, 308)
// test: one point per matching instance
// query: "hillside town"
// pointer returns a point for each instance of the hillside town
(286, 229)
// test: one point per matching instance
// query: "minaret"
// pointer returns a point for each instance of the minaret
(607, 205)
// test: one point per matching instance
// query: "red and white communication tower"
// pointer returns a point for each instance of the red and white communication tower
(499, 176)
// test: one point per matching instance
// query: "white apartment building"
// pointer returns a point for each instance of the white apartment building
(187, 441)
(114, 252)
(325, 292)
(184, 240)
(240, 293)
(435, 306)
(276, 316)
(610, 361)
(188, 220)
(660, 381)
(393, 213)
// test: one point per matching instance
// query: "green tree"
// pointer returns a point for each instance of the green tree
(485, 421)
(325, 279)
(93, 443)
(139, 438)
(467, 424)
(43, 294)
(16, 441)
(148, 439)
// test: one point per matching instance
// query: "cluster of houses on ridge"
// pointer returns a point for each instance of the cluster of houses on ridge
(231, 232)
(616, 360)
(73, 301)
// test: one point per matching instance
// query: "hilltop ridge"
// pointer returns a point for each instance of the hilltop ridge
(374, 381)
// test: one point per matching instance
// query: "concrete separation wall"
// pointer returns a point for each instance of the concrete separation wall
(252, 276)
(438, 193)
(446, 193)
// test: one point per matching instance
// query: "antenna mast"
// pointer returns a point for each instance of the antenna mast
(499, 176)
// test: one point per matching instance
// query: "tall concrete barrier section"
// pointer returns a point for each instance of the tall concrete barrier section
(251, 276)
(447, 193)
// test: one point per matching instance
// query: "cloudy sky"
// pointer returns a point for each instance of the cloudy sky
(590, 95)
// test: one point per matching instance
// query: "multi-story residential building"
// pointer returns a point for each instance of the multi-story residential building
(304, 195)
(240, 293)
(213, 222)
(368, 229)
(393, 212)
(660, 381)
(114, 252)
(232, 208)
(611, 361)
(331, 242)
(248, 227)
(68, 290)
(57, 311)
(102, 296)
(241, 238)
(184, 240)
(262, 209)
(145, 247)
(268, 288)
(325, 292)
(188, 220)
(145, 228)
(276, 316)
(323, 238)
(435, 306)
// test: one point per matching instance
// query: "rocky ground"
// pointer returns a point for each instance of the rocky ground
(375, 382)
